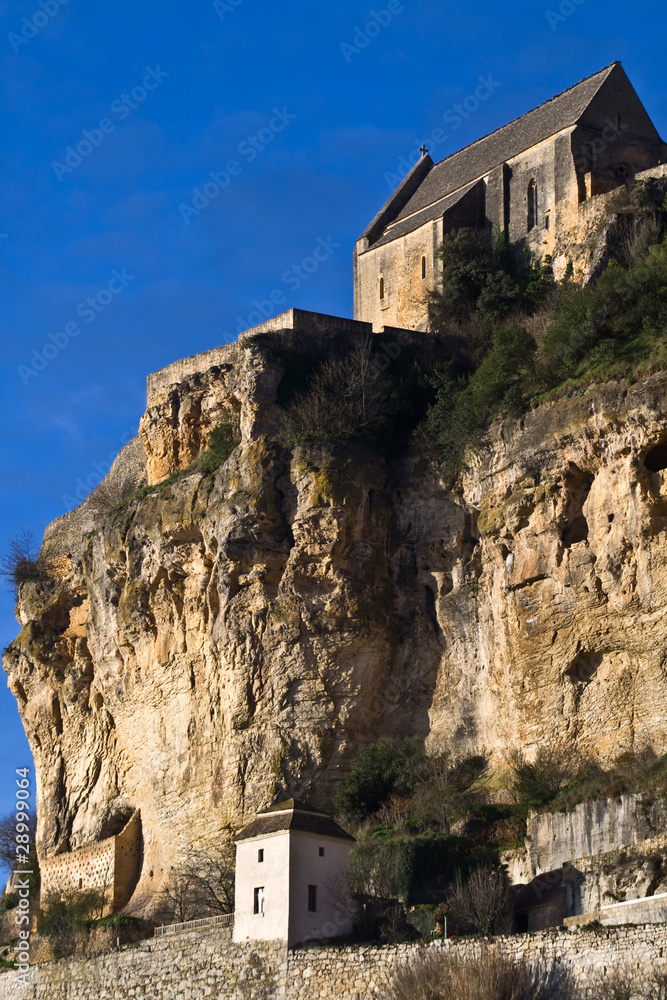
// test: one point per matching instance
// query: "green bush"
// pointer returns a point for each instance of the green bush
(221, 443)
(625, 308)
(379, 771)
(406, 867)
(463, 406)
(557, 780)
(613, 327)
(444, 789)
(484, 277)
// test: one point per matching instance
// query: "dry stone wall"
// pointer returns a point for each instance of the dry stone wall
(200, 964)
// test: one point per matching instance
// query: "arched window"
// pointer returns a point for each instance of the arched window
(381, 288)
(423, 268)
(532, 205)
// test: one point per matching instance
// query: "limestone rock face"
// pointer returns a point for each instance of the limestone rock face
(200, 648)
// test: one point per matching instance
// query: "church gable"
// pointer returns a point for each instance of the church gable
(478, 159)
(531, 178)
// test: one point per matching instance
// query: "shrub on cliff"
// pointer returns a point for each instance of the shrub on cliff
(464, 404)
(537, 784)
(612, 323)
(20, 564)
(221, 443)
(401, 785)
(346, 398)
(483, 275)
(613, 327)
(378, 771)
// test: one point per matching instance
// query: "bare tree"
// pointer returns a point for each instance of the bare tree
(201, 886)
(111, 492)
(20, 563)
(213, 873)
(345, 398)
(445, 783)
(8, 838)
(484, 900)
(338, 892)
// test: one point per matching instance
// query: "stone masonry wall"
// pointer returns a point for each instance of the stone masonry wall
(112, 864)
(205, 963)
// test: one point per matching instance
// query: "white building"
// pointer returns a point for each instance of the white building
(286, 862)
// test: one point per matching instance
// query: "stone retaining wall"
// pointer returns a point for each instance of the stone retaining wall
(200, 964)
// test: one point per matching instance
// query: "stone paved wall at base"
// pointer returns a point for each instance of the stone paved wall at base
(200, 964)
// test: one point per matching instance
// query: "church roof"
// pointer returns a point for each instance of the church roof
(292, 815)
(442, 184)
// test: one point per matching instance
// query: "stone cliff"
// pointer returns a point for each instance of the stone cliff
(221, 637)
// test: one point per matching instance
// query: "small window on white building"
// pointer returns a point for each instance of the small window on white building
(423, 268)
(258, 905)
(312, 899)
(381, 288)
(80, 883)
(547, 221)
(260, 855)
(321, 852)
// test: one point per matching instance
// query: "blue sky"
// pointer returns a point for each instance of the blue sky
(303, 113)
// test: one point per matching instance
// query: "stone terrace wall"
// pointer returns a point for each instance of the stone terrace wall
(193, 964)
(205, 963)
(159, 383)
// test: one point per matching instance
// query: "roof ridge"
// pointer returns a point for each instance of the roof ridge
(537, 107)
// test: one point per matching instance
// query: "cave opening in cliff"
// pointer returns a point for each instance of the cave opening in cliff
(574, 526)
(583, 667)
(115, 822)
(655, 459)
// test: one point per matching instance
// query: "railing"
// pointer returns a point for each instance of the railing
(190, 925)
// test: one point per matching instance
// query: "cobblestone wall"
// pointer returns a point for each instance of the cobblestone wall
(201, 964)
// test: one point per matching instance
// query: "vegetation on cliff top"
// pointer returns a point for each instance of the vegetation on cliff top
(504, 337)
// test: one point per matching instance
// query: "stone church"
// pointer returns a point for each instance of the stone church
(540, 179)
